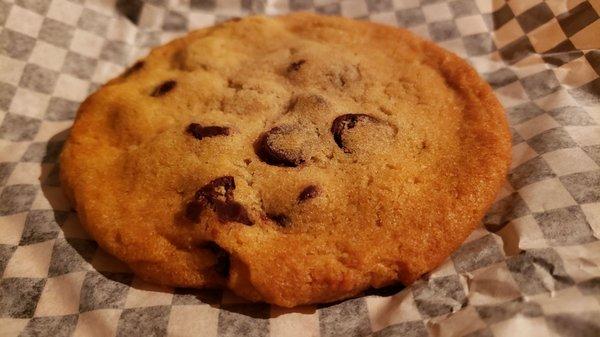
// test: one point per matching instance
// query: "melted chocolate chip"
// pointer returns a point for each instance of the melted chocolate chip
(194, 208)
(345, 122)
(218, 189)
(280, 219)
(222, 262)
(232, 211)
(134, 68)
(308, 192)
(295, 66)
(272, 155)
(199, 131)
(218, 194)
(164, 88)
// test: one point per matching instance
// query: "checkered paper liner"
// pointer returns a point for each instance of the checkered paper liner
(532, 269)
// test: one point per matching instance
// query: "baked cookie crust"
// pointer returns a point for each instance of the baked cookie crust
(294, 159)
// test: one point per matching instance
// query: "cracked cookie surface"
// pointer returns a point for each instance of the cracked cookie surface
(297, 159)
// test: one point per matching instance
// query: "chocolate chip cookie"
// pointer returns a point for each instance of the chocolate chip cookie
(295, 159)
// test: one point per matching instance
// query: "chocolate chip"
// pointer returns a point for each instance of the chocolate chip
(232, 211)
(134, 68)
(200, 131)
(268, 152)
(308, 192)
(218, 189)
(295, 66)
(218, 194)
(222, 263)
(280, 219)
(194, 208)
(345, 122)
(164, 88)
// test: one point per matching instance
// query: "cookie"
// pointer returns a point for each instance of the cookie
(295, 159)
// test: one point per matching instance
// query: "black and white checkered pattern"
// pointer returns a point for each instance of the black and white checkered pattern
(532, 270)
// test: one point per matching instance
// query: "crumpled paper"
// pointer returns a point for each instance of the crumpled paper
(532, 269)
